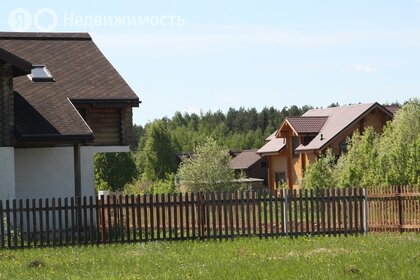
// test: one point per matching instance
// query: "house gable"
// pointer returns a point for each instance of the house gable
(83, 80)
(308, 136)
(341, 121)
(18, 65)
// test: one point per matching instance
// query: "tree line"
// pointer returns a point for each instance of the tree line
(238, 129)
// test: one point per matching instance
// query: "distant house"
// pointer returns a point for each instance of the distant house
(251, 164)
(248, 161)
(300, 140)
(181, 156)
(61, 101)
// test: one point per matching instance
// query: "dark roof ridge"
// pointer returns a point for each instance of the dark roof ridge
(342, 106)
(306, 117)
(80, 36)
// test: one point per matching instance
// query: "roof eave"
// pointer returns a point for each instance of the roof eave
(267, 153)
(20, 66)
(85, 138)
(279, 131)
(135, 102)
(301, 151)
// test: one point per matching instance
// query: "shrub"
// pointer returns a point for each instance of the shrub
(158, 187)
(320, 174)
(114, 170)
(207, 170)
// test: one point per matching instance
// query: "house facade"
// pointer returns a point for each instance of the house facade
(301, 140)
(251, 164)
(61, 101)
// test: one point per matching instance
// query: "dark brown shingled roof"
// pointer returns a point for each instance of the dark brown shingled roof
(81, 73)
(245, 159)
(392, 108)
(307, 124)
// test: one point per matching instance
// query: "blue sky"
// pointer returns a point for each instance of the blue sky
(249, 53)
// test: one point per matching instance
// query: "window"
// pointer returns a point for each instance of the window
(343, 146)
(307, 140)
(263, 163)
(40, 73)
(295, 144)
(280, 179)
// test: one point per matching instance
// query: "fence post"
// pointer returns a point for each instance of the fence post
(102, 222)
(400, 212)
(365, 211)
(201, 214)
(285, 207)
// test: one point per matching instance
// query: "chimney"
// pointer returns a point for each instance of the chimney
(6, 105)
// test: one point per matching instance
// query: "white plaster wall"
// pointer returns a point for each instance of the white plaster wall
(49, 172)
(44, 172)
(7, 173)
(87, 171)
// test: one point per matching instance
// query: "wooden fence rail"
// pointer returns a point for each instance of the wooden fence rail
(223, 215)
(120, 219)
(395, 208)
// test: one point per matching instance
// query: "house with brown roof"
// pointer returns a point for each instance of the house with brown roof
(301, 140)
(252, 164)
(61, 101)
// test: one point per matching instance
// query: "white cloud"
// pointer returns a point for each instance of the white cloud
(365, 68)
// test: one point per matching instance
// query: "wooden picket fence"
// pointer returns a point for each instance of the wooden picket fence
(394, 208)
(191, 216)
(232, 214)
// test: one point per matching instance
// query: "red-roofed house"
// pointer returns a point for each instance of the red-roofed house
(300, 140)
(61, 101)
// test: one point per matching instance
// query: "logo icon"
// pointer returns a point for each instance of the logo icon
(20, 20)
(43, 20)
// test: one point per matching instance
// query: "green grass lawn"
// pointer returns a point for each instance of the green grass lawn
(377, 256)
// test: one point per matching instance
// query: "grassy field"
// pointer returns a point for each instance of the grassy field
(377, 256)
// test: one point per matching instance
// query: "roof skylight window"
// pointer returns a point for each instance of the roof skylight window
(40, 73)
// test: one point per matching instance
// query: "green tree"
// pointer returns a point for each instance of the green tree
(156, 158)
(114, 170)
(359, 166)
(138, 132)
(390, 159)
(207, 170)
(320, 174)
(399, 150)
